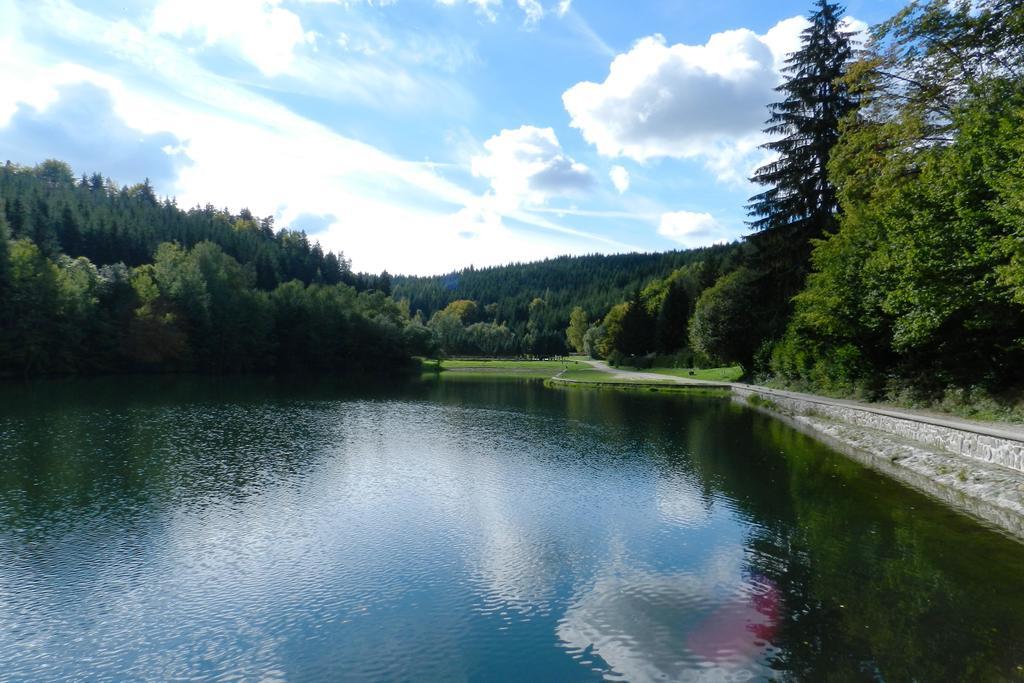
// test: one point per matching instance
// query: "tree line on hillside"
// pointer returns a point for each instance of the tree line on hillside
(96, 278)
(521, 309)
(94, 217)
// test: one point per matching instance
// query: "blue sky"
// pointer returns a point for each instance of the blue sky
(415, 135)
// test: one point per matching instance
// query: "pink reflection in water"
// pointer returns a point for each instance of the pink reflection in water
(739, 631)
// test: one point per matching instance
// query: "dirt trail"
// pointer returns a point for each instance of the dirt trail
(1001, 430)
(636, 375)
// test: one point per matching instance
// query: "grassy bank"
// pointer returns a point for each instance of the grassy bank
(728, 374)
(970, 404)
(588, 374)
(541, 369)
(611, 384)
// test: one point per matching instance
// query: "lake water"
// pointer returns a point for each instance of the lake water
(471, 529)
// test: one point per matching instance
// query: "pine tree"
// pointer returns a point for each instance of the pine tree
(670, 326)
(384, 283)
(68, 232)
(42, 232)
(17, 217)
(637, 337)
(800, 202)
(5, 259)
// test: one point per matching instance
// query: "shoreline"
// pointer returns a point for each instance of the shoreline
(974, 468)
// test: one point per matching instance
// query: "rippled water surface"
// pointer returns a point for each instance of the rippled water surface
(471, 530)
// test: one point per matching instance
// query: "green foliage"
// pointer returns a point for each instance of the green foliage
(30, 333)
(488, 339)
(463, 309)
(594, 283)
(613, 330)
(420, 341)
(656, 319)
(96, 219)
(673, 314)
(577, 330)
(636, 336)
(593, 340)
(5, 257)
(921, 285)
(800, 203)
(189, 305)
(1008, 211)
(725, 319)
(449, 331)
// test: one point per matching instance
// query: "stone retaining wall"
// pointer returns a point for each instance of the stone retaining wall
(960, 440)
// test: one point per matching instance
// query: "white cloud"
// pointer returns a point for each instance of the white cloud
(81, 127)
(532, 9)
(692, 229)
(620, 178)
(261, 31)
(676, 101)
(575, 22)
(380, 44)
(247, 150)
(369, 43)
(704, 102)
(383, 82)
(487, 8)
(527, 165)
(784, 39)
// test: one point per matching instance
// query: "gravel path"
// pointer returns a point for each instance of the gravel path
(1002, 430)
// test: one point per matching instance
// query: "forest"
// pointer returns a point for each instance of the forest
(522, 309)
(884, 260)
(97, 278)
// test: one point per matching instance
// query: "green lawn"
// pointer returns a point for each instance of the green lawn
(512, 368)
(731, 374)
(573, 370)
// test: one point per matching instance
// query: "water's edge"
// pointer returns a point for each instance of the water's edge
(979, 472)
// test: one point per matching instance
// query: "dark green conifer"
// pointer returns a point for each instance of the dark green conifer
(671, 324)
(800, 203)
(5, 258)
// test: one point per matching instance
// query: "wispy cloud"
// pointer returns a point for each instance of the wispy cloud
(248, 150)
(579, 25)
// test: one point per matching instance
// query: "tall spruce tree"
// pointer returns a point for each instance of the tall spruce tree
(800, 201)
(673, 316)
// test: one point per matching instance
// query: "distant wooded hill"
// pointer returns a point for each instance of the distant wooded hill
(107, 223)
(595, 282)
